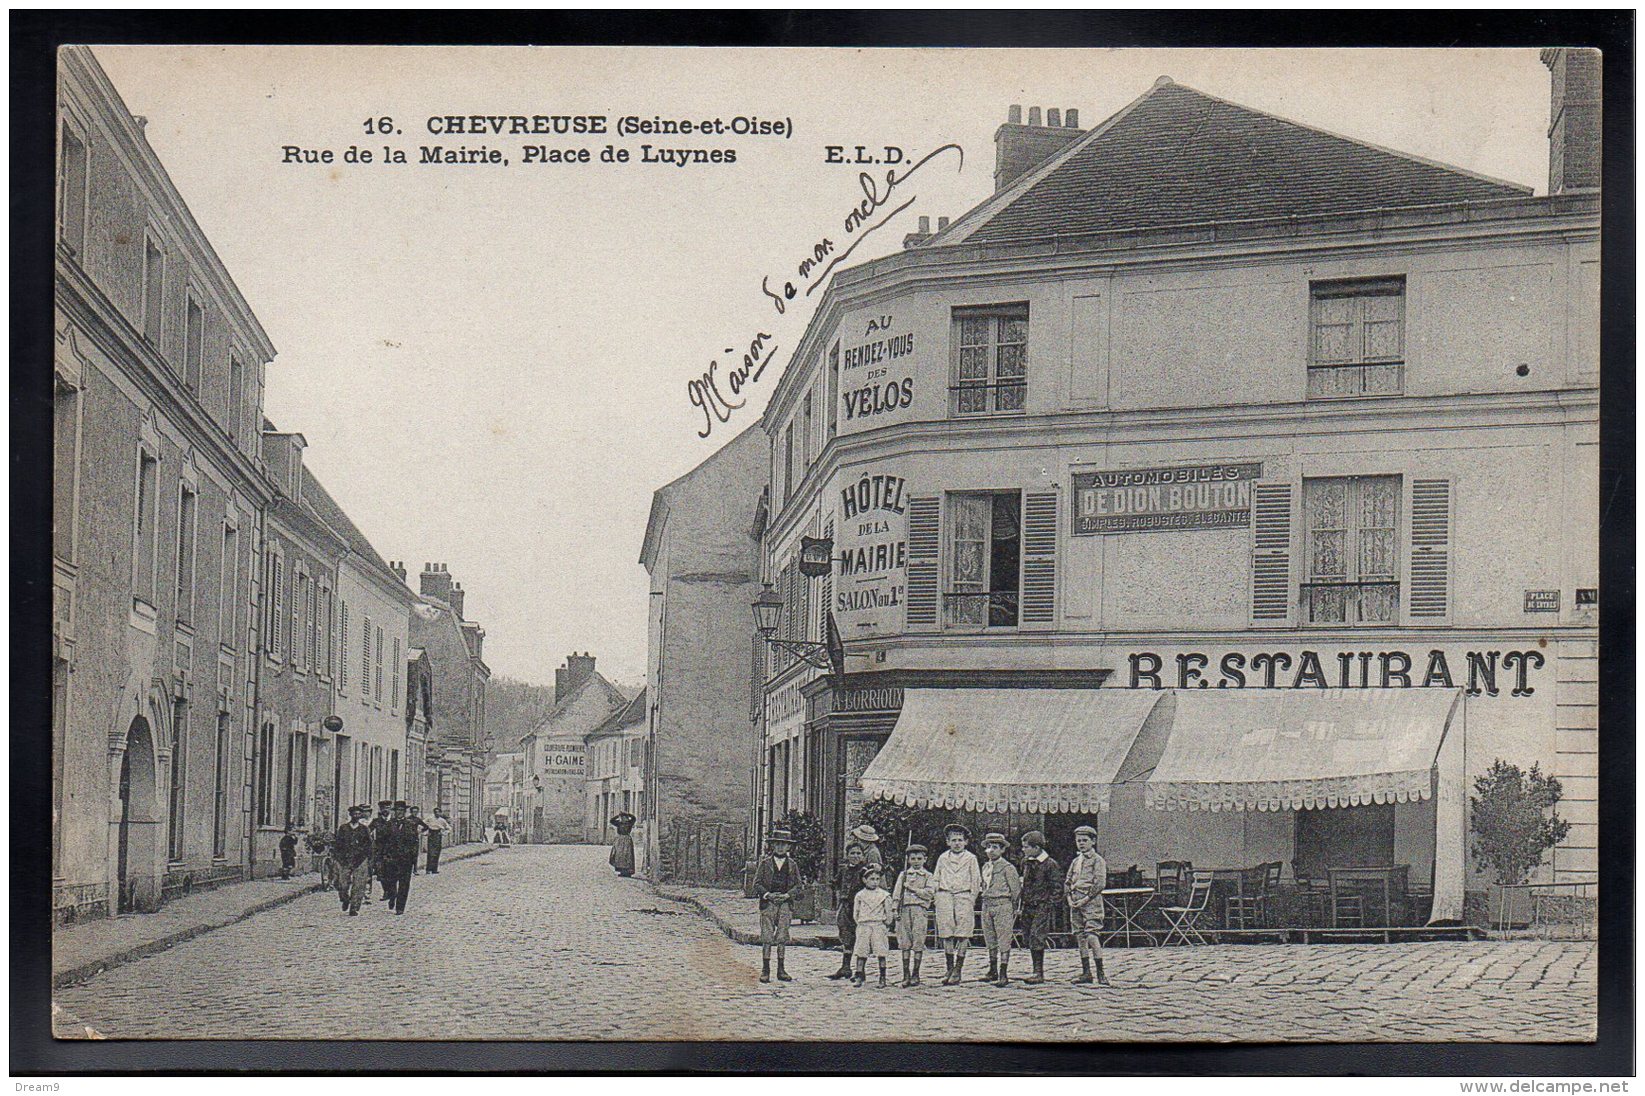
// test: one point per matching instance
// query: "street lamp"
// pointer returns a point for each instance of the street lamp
(768, 614)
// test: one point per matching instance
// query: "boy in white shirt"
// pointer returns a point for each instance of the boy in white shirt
(958, 879)
(874, 915)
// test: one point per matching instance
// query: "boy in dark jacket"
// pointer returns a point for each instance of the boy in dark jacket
(850, 882)
(1041, 894)
(775, 881)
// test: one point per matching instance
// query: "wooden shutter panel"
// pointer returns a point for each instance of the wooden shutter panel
(1271, 553)
(1039, 561)
(1430, 549)
(827, 590)
(924, 564)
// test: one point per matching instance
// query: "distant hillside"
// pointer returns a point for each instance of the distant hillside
(513, 708)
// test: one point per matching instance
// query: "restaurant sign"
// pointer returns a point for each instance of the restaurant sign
(1146, 500)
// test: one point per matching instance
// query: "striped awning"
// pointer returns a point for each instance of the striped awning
(1050, 750)
(1295, 749)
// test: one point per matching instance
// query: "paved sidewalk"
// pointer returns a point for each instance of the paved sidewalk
(739, 917)
(81, 951)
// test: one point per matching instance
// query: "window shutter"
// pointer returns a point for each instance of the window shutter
(827, 590)
(1039, 561)
(1271, 553)
(924, 570)
(1430, 597)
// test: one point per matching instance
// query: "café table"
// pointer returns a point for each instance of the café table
(1391, 880)
(1126, 905)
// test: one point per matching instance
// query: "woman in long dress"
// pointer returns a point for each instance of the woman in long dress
(622, 846)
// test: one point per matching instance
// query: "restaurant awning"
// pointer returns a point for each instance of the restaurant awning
(1050, 750)
(1285, 749)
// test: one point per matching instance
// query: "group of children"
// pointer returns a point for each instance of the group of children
(949, 893)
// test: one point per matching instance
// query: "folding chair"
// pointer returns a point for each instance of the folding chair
(1184, 920)
(1170, 878)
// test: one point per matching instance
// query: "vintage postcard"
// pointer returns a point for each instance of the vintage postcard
(1059, 545)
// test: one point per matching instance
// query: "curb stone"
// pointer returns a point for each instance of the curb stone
(740, 936)
(149, 947)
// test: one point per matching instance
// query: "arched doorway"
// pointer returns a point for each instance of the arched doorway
(137, 853)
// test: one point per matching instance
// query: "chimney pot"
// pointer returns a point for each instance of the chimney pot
(942, 223)
(1072, 118)
(925, 225)
(1053, 117)
(1033, 116)
(1014, 116)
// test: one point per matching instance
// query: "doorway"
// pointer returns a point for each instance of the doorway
(1344, 837)
(136, 881)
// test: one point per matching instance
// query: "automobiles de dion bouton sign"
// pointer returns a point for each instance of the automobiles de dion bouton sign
(1146, 500)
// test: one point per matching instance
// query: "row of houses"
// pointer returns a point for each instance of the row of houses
(1237, 492)
(231, 656)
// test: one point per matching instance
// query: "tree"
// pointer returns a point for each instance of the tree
(1513, 820)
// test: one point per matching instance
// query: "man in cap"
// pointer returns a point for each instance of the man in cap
(957, 879)
(351, 860)
(1083, 885)
(1000, 887)
(775, 881)
(399, 853)
(379, 827)
(1041, 891)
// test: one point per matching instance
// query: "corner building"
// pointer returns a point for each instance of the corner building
(1214, 464)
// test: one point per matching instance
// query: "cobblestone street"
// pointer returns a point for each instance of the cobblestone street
(544, 942)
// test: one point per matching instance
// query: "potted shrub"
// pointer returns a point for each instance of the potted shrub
(809, 848)
(1514, 825)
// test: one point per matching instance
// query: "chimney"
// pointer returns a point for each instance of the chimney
(1574, 157)
(1020, 148)
(399, 568)
(457, 599)
(435, 582)
(578, 668)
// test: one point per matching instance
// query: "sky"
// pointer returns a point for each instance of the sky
(491, 363)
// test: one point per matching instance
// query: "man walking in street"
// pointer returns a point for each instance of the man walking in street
(351, 860)
(379, 828)
(437, 827)
(399, 853)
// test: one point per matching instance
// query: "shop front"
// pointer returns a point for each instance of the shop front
(1354, 801)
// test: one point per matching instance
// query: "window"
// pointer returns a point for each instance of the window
(154, 282)
(833, 390)
(985, 551)
(219, 797)
(365, 663)
(236, 395)
(71, 197)
(311, 630)
(325, 630)
(805, 433)
(297, 779)
(228, 587)
(1358, 339)
(990, 359)
(788, 463)
(194, 343)
(1351, 537)
(342, 644)
(179, 780)
(264, 788)
(146, 528)
(394, 673)
(378, 676)
(187, 505)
